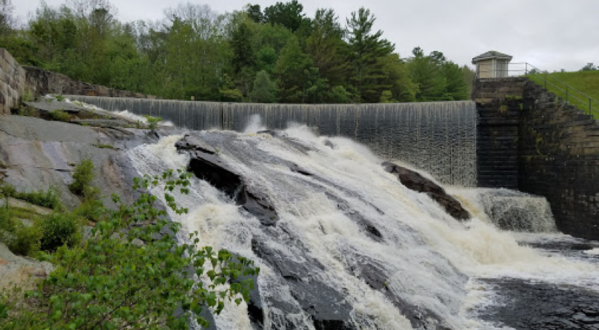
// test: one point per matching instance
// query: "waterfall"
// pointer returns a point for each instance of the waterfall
(517, 211)
(352, 248)
(438, 137)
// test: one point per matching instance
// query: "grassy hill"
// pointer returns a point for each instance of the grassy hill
(586, 82)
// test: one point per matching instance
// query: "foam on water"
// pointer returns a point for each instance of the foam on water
(422, 248)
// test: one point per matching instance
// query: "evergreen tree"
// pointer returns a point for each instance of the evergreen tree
(368, 50)
(287, 14)
(255, 13)
(241, 44)
(327, 48)
(298, 79)
(456, 87)
(264, 88)
(427, 75)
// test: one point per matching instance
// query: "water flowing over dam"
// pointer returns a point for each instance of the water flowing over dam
(347, 246)
(438, 137)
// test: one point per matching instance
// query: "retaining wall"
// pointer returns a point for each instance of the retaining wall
(12, 82)
(532, 141)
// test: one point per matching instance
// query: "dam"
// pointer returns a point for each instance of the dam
(437, 137)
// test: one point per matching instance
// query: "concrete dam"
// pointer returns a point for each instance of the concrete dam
(438, 137)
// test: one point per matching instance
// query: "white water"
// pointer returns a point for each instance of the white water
(422, 253)
(438, 137)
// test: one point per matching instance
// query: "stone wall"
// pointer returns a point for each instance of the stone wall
(556, 147)
(42, 82)
(497, 132)
(15, 80)
(12, 82)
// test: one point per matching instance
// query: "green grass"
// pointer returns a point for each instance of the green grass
(586, 82)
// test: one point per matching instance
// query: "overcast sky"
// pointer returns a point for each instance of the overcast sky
(550, 34)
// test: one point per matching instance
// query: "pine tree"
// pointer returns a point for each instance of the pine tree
(368, 50)
(264, 88)
(299, 81)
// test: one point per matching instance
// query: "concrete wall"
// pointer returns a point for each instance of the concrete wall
(556, 147)
(12, 82)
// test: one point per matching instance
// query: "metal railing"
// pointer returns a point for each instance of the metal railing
(562, 90)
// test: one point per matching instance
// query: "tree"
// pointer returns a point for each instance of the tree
(298, 79)
(264, 88)
(326, 47)
(255, 13)
(589, 67)
(7, 19)
(287, 14)
(241, 44)
(456, 87)
(367, 51)
(131, 273)
(402, 89)
(427, 75)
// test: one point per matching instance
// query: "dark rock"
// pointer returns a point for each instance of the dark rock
(325, 305)
(414, 181)
(329, 144)
(374, 275)
(361, 220)
(533, 305)
(191, 142)
(208, 166)
(268, 131)
(298, 169)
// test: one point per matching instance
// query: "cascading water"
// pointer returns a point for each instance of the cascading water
(350, 247)
(438, 137)
(513, 210)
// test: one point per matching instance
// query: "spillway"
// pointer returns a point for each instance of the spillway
(439, 137)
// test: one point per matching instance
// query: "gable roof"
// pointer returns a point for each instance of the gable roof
(491, 54)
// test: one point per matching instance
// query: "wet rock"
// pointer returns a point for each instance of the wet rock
(374, 275)
(298, 169)
(208, 166)
(325, 305)
(329, 144)
(532, 305)
(192, 142)
(269, 132)
(361, 220)
(414, 181)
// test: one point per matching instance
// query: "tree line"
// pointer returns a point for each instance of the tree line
(275, 54)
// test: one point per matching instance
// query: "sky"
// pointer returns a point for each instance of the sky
(551, 35)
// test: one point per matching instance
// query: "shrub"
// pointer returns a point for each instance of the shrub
(25, 240)
(83, 177)
(114, 283)
(58, 229)
(19, 239)
(27, 96)
(7, 226)
(60, 115)
(49, 198)
(153, 122)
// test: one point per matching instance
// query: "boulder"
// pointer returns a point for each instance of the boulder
(206, 164)
(20, 271)
(414, 181)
